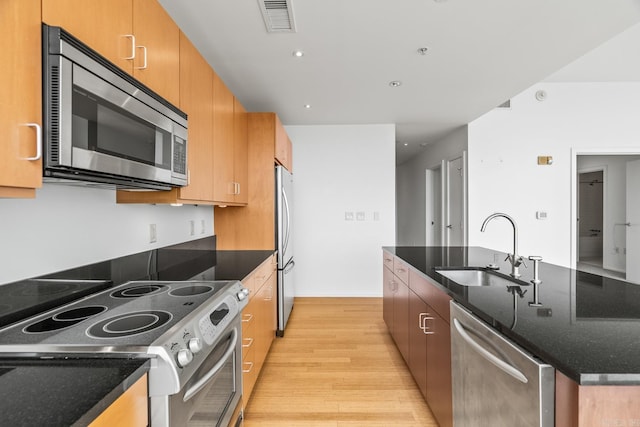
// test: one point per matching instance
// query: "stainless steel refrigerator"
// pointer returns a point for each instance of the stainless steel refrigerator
(286, 263)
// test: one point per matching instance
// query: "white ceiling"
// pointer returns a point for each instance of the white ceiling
(480, 54)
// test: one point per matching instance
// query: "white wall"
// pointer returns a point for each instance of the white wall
(65, 227)
(338, 169)
(410, 186)
(503, 171)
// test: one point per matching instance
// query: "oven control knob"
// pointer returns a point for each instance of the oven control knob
(195, 345)
(243, 294)
(184, 357)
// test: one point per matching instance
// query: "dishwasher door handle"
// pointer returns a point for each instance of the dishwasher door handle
(488, 356)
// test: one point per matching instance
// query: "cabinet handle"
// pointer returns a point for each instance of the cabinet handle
(247, 345)
(246, 371)
(422, 323)
(249, 318)
(133, 46)
(144, 62)
(400, 270)
(38, 141)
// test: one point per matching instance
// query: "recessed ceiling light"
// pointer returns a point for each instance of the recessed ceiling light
(307, 106)
(395, 83)
(406, 144)
(423, 50)
(423, 144)
(298, 53)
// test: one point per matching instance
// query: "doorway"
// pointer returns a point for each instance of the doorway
(620, 170)
(433, 209)
(590, 217)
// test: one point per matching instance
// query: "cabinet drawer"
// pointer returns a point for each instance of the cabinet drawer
(401, 269)
(387, 260)
(428, 292)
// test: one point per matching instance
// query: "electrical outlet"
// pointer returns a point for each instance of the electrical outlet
(153, 234)
(192, 227)
(348, 216)
(202, 226)
(376, 216)
(360, 216)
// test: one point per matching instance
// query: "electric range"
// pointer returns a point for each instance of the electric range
(177, 324)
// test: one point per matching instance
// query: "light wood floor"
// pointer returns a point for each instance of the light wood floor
(336, 366)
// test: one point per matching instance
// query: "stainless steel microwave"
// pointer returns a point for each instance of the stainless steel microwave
(102, 126)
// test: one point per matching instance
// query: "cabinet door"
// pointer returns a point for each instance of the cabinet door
(388, 289)
(106, 26)
(418, 314)
(223, 126)
(157, 61)
(196, 99)
(240, 152)
(439, 389)
(283, 149)
(20, 102)
(401, 318)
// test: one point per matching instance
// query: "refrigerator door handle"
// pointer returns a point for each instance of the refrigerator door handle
(289, 266)
(288, 228)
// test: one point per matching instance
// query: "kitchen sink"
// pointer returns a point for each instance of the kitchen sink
(477, 276)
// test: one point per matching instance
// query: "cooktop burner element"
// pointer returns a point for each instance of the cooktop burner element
(64, 319)
(129, 324)
(139, 291)
(190, 290)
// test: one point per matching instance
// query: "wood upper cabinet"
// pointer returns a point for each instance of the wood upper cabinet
(253, 226)
(157, 59)
(106, 26)
(136, 35)
(284, 149)
(229, 141)
(20, 103)
(196, 99)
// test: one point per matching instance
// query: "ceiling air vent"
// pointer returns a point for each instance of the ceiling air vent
(278, 15)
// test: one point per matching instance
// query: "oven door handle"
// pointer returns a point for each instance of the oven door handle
(207, 377)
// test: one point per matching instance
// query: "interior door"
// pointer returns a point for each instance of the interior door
(455, 200)
(633, 222)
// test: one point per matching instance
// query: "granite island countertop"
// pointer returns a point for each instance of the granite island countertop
(588, 326)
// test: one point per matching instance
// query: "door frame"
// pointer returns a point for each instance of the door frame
(575, 152)
(445, 205)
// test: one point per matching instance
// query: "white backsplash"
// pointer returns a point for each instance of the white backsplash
(65, 227)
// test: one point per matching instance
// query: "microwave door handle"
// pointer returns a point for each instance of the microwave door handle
(287, 230)
(213, 371)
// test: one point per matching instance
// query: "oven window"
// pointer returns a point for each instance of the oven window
(215, 402)
(106, 128)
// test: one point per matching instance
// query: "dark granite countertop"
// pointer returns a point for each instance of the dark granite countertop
(63, 392)
(588, 326)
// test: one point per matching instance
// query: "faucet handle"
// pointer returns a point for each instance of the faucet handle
(535, 258)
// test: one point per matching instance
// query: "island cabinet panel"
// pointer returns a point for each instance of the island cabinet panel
(20, 103)
(595, 405)
(130, 409)
(424, 335)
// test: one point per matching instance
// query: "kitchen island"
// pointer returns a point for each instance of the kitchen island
(586, 326)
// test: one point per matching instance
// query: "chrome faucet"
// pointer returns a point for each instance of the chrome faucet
(513, 258)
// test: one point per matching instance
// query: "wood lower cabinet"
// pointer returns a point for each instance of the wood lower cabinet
(258, 323)
(131, 409)
(420, 328)
(20, 103)
(136, 35)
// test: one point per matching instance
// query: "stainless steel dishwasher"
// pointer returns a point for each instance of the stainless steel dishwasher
(495, 382)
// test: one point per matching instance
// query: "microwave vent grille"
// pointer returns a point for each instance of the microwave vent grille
(54, 108)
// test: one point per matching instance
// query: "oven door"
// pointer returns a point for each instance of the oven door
(210, 396)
